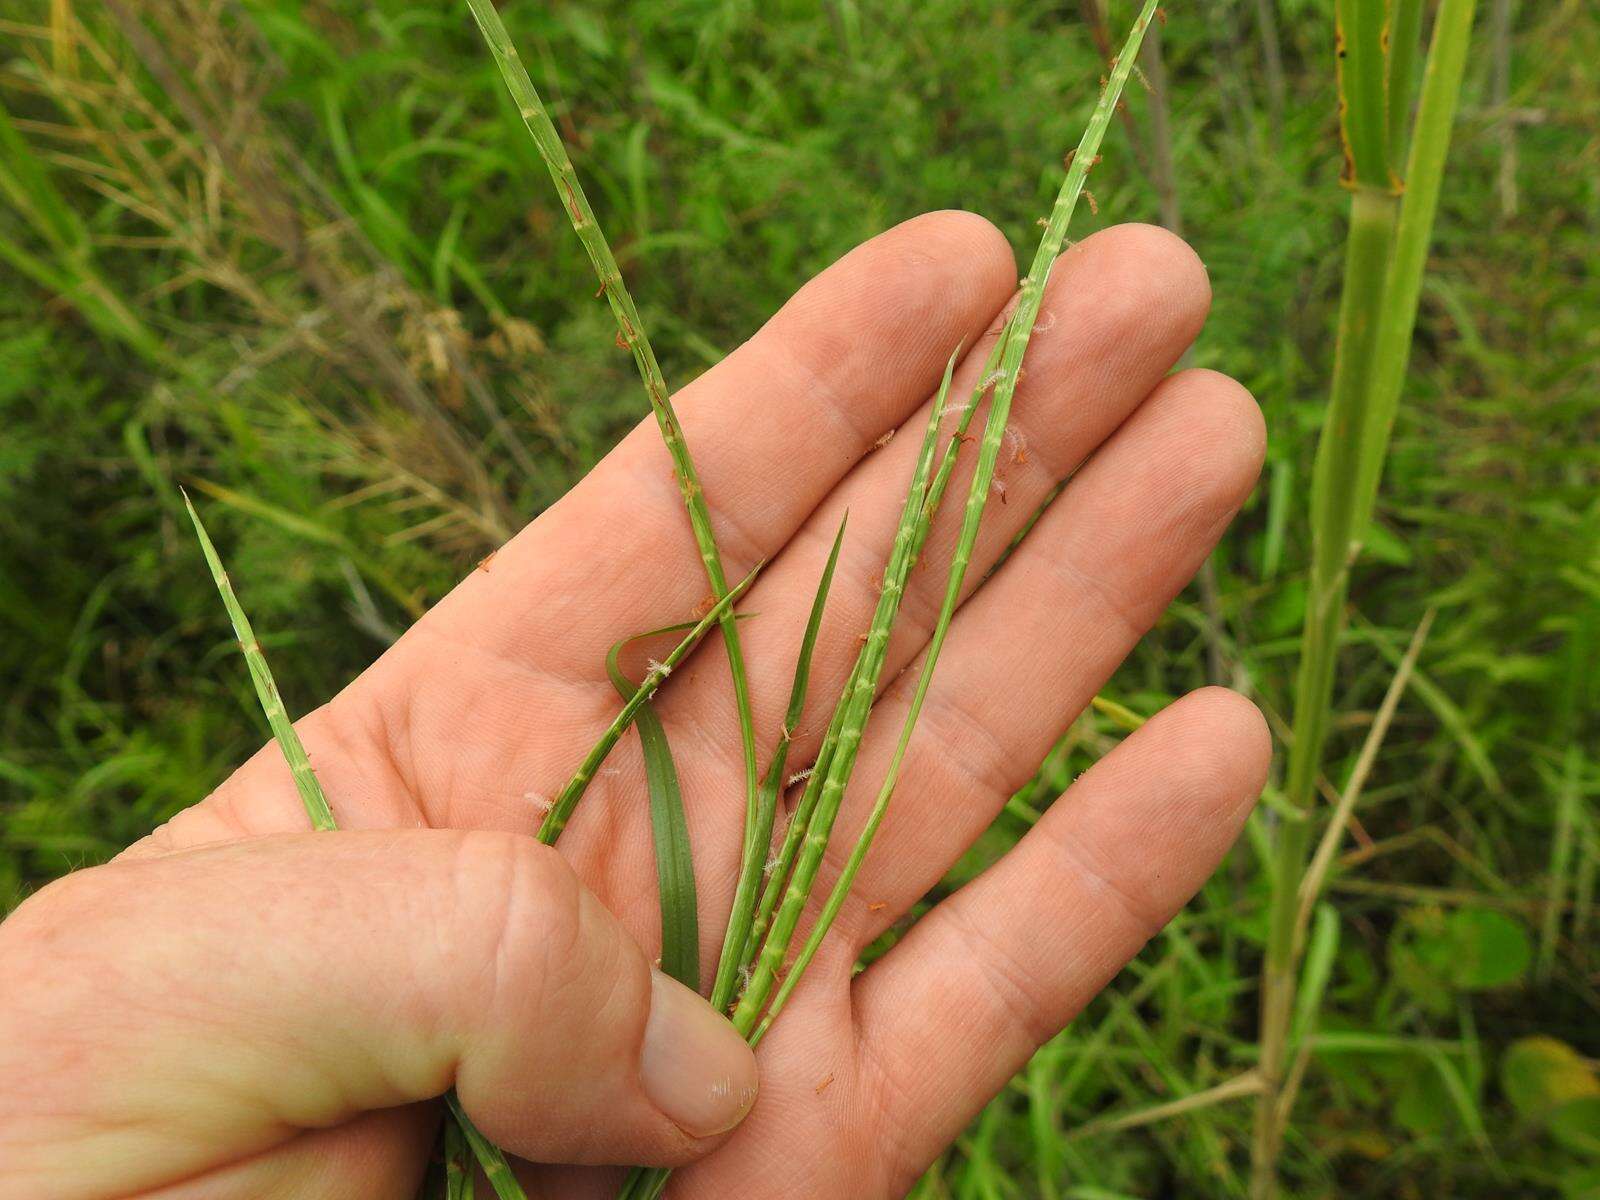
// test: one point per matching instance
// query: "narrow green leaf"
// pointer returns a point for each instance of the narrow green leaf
(311, 795)
(1014, 345)
(631, 333)
(1402, 42)
(680, 921)
(1322, 948)
(824, 792)
(1430, 145)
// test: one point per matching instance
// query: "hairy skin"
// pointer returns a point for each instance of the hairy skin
(302, 1065)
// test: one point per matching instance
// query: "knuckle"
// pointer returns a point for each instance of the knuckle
(1110, 886)
(1026, 1000)
(551, 948)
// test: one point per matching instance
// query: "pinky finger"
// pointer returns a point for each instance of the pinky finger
(999, 968)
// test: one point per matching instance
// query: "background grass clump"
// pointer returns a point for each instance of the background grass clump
(304, 258)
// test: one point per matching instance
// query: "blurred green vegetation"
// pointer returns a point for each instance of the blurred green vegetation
(299, 254)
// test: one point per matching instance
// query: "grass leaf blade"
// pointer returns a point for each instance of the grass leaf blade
(669, 830)
(488, 1155)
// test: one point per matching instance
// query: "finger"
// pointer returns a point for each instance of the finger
(1118, 311)
(999, 968)
(165, 1016)
(379, 1156)
(772, 429)
(1030, 650)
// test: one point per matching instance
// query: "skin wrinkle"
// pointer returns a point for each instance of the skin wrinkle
(1024, 998)
(878, 1079)
(860, 432)
(440, 801)
(1100, 880)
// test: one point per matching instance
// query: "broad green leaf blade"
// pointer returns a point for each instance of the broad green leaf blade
(680, 921)
(305, 780)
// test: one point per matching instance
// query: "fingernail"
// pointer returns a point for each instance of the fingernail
(694, 1067)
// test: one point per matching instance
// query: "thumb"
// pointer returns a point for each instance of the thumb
(166, 1015)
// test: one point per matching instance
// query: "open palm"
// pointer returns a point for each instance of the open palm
(483, 709)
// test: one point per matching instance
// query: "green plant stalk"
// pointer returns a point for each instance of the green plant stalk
(294, 752)
(813, 816)
(804, 811)
(1015, 345)
(1315, 876)
(778, 876)
(306, 783)
(631, 333)
(854, 705)
(1386, 254)
(567, 799)
(735, 952)
(490, 1159)
(1333, 523)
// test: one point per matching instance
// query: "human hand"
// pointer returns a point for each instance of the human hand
(236, 1008)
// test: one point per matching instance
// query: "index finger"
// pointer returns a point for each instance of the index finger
(772, 429)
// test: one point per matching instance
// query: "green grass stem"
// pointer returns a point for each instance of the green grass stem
(736, 951)
(566, 800)
(1014, 345)
(1386, 253)
(854, 705)
(294, 752)
(631, 333)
